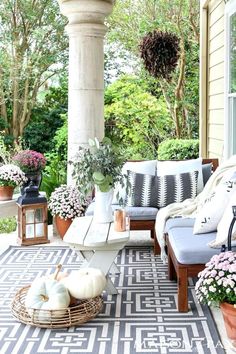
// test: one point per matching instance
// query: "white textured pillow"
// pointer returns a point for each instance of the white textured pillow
(212, 211)
(177, 167)
(144, 167)
(224, 224)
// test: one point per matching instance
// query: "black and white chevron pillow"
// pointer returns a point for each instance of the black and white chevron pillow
(159, 191)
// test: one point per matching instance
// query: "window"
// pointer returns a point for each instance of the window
(230, 79)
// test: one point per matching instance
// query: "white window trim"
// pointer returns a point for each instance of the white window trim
(230, 8)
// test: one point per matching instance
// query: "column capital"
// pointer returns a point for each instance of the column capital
(86, 11)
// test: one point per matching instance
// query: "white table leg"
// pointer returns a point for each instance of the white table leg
(110, 287)
(103, 260)
(89, 254)
(114, 269)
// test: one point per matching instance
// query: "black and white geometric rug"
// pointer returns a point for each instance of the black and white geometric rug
(142, 318)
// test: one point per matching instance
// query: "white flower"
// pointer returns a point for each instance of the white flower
(65, 202)
(11, 175)
(217, 282)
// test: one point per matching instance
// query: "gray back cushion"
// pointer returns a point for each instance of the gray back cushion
(206, 172)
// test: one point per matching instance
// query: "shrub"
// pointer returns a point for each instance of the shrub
(178, 149)
(136, 121)
(7, 225)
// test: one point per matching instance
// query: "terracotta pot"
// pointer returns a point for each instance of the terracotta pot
(6, 192)
(62, 225)
(229, 314)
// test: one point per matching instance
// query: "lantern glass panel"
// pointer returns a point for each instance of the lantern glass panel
(29, 231)
(29, 216)
(39, 215)
(39, 230)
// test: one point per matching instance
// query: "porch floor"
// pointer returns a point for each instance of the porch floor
(136, 238)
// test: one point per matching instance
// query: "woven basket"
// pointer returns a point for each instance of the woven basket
(82, 312)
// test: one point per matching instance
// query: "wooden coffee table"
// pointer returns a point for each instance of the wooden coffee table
(97, 244)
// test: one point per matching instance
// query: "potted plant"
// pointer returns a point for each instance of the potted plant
(65, 205)
(217, 286)
(32, 163)
(10, 177)
(99, 166)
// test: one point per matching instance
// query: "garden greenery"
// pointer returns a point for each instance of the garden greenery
(178, 149)
(7, 225)
(97, 165)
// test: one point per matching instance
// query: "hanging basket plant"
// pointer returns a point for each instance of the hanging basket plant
(160, 53)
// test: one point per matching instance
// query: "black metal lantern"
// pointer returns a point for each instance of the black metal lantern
(229, 246)
(32, 217)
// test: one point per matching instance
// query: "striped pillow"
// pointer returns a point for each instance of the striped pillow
(159, 191)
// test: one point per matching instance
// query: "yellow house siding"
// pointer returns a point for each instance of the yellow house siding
(215, 148)
(215, 116)
(216, 102)
(216, 43)
(217, 57)
(216, 72)
(215, 81)
(217, 28)
(215, 86)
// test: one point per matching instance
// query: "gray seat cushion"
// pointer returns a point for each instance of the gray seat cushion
(178, 222)
(189, 248)
(135, 213)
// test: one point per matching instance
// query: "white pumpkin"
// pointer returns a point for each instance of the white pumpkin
(47, 294)
(85, 283)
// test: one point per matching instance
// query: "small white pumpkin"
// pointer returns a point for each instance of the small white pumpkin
(47, 294)
(85, 283)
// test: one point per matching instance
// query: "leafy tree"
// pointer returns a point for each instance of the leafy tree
(32, 44)
(135, 120)
(133, 19)
(48, 114)
(116, 58)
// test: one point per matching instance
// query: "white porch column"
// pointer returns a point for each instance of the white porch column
(86, 32)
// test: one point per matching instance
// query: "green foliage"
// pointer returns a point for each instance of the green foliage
(39, 134)
(178, 149)
(60, 139)
(131, 20)
(50, 114)
(7, 151)
(55, 172)
(56, 168)
(100, 165)
(7, 225)
(135, 120)
(33, 48)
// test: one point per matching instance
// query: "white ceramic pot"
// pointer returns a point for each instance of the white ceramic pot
(102, 209)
